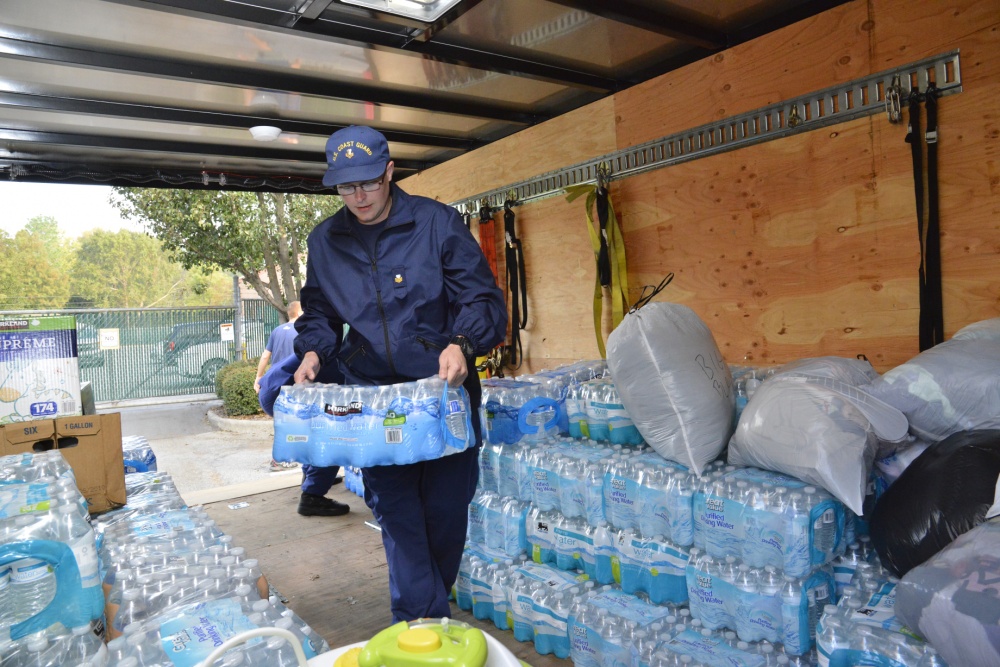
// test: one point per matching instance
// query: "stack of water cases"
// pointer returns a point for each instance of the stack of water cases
(176, 586)
(862, 628)
(50, 594)
(361, 426)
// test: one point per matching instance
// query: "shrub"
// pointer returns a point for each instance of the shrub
(220, 377)
(238, 396)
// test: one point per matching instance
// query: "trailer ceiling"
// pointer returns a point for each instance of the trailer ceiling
(162, 93)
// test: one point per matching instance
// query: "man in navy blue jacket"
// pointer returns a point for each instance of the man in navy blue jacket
(420, 299)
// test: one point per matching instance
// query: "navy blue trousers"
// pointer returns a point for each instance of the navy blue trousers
(423, 510)
(317, 480)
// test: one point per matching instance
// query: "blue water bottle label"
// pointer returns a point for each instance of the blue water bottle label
(190, 636)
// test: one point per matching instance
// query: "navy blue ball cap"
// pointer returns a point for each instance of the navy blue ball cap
(355, 154)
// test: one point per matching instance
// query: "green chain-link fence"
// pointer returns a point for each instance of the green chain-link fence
(162, 351)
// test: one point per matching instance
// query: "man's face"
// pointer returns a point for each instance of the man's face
(369, 207)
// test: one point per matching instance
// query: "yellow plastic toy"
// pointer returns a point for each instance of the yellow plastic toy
(425, 643)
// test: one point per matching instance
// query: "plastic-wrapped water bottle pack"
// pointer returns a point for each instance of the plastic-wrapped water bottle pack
(352, 425)
(49, 577)
(176, 586)
(760, 604)
(766, 518)
(138, 455)
(594, 410)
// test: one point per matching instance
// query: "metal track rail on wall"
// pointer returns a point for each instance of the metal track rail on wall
(837, 104)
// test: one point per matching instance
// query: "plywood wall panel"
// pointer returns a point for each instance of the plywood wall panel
(807, 56)
(802, 246)
(569, 139)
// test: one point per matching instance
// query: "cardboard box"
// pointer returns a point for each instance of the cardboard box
(39, 369)
(91, 444)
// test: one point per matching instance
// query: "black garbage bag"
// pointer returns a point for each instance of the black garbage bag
(944, 493)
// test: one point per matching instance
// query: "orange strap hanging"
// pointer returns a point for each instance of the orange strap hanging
(488, 240)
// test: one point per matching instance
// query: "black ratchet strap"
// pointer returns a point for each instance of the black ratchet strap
(925, 188)
(517, 284)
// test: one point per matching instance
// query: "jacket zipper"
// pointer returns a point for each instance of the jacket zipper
(381, 308)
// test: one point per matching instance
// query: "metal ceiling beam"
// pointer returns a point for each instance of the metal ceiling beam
(456, 54)
(233, 75)
(255, 152)
(214, 119)
(641, 16)
(344, 22)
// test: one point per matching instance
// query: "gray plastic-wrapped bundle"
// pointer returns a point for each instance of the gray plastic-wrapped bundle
(952, 387)
(984, 330)
(953, 599)
(855, 372)
(673, 382)
(817, 429)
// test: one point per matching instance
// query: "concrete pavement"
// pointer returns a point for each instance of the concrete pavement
(204, 460)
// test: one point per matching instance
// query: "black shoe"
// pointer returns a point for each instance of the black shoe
(312, 505)
(337, 480)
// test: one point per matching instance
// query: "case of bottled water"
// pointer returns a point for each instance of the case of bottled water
(760, 604)
(768, 519)
(48, 552)
(138, 455)
(595, 411)
(514, 410)
(863, 630)
(650, 565)
(351, 425)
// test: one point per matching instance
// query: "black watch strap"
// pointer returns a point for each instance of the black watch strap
(465, 345)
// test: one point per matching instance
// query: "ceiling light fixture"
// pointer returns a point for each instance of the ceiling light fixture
(265, 132)
(427, 11)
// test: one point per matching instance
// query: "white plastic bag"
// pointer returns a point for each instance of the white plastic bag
(952, 387)
(814, 429)
(673, 382)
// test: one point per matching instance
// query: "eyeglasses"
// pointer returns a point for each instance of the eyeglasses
(367, 186)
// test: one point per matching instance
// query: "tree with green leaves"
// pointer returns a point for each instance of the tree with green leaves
(259, 236)
(124, 269)
(58, 248)
(29, 280)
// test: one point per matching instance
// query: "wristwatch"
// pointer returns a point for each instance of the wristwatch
(465, 345)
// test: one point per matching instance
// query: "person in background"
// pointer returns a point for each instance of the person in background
(280, 344)
(316, 480)
(420, 300)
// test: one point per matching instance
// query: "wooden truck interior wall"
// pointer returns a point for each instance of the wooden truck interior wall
(801, 246)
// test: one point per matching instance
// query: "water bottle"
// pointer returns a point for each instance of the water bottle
(7, 604)
(477, 515)
(798, 553)
(594, 493)
(463, 584)
(746, 590)
(455, 415)
(572, 488)
(32, 581)
(545, 483)
(85, 646)
(680, 509)
(489, 466)
(493, 524)
(522, 619)
(76, 533)
(481, 584)
(500, 585)
(604, 552)
(795, 618)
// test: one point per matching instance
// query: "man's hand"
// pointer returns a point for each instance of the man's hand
(256, 385)
(453, 367)
(308, 369)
